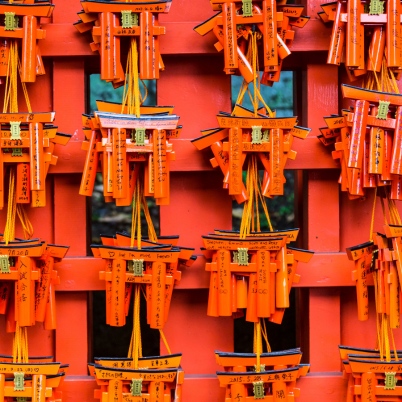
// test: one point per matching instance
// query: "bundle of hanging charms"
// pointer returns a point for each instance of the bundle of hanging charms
(131, 143)
(253, 270)
(367, 140)
(27, 266)
(356, 23)
(129, 140)
(273, 23)
(374, 373)
(367, 137)
(135, 266)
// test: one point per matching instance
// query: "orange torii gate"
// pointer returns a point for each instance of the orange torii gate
(30, 265)
(27, 140)
(122, 143)
(31, 11)
(155, 266)
(270, 137)
(235, 22)
(263, 258)
(368, 141)
(144, 363)
(373, 379)
(35, 380)
(138, 20)
(350, 21)
(148, 385)
(266, 385)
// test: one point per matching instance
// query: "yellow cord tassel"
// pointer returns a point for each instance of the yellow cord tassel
(20, 345)
(132, 94)
(135, 349)
(257, 345)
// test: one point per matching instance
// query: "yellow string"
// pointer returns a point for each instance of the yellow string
(379, 346)
(136, 215)
(151, 228)
(9, 231)
(135, 349)
(11, 89)
(386, 338)
(391, 333)
(257, 345)
(20, 345)
(132, 93)
(163, 337)
(25, 222)
(265, 335)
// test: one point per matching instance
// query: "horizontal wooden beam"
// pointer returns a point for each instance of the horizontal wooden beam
(323, 270)
(205, 387)
(311, 154)
(64, 40)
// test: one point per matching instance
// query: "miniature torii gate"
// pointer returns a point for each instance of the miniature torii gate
(265, 259)
(154, 266)
(152, 362)
(120, 141)
(144, 363)
(373, 159)
(372, 379)
(267, 385)
(272, 20)
(350, 18)
(33, 380)
(138, 19)
(123, 384)
(30, 265)
(377, 256)
(31, 11)
(270, 138)
(285, 358)
(27, 140)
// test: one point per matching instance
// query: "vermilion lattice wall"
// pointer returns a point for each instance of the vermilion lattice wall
(195, 84)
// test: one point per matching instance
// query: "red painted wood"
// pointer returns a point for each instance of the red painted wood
(79, 387)
(323, 211)
(71, 346)
(190, 331)
(190, 96)
(311, 154)
(70, 214)
(324, 270)
(324, 316)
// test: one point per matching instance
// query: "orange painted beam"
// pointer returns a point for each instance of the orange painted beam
(323, 270)
(62, 39)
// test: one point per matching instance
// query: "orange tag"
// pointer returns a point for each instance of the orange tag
(270, 33)
(224, 283)
(229, 35)
(358, 134)
(158, 295)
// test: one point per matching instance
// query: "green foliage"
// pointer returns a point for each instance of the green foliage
(101, 90)
(279, 97)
